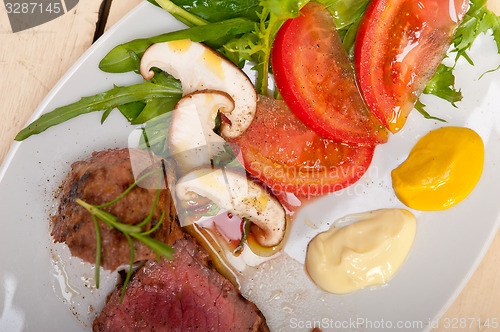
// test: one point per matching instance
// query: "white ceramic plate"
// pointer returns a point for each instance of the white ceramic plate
(447, 249)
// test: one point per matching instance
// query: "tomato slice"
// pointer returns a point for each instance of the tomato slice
(315, 77)
(285, 154)
(399, 45)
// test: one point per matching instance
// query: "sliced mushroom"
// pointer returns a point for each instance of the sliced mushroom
(232, 191)
(192, 141)
(200, 68)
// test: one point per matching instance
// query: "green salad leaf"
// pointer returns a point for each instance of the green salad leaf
(155, 107)
(219, 10)
(126, 57)
(478, 20)
(442, 85)
(155, 134)
(99, 102)
(132, 110)
(348, 37)
(189, 19)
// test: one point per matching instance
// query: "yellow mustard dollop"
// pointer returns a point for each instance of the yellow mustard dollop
(364, 253)
(441, 170)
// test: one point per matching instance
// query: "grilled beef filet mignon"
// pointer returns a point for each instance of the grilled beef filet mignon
(98, 180)
(184, 294)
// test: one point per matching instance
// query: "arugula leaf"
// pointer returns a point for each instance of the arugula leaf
(155, 135)
(247, 36)
(126, 57)
(131, 110)
(158, 105)
(162, 78)
(347, 14)
(155, 107)
(105, 115)
(99, 102)
(219, 10)
(349, 37)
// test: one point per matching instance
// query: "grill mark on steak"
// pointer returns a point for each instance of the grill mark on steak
(98, 180)
(184, 294)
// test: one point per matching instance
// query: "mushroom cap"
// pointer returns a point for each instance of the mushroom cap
(191, 139)
(200, 68)
(234, 192)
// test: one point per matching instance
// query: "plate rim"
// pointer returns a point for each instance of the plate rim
(100, 43)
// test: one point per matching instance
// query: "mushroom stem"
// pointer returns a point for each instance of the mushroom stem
(200, 68)
(192, 141)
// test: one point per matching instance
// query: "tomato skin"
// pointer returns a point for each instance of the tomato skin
(399, 45)
(315, 78)
(285, 154)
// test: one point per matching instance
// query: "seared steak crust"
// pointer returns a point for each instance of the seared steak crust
(99, 180)
(185, 294)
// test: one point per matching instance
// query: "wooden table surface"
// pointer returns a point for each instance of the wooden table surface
(33, 60)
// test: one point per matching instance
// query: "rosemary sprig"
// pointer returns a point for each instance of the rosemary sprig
(244, 237)
(129, 272)
(97, 250)
(129, 188)
(129, 231)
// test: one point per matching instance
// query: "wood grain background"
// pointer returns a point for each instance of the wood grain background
(32, 61)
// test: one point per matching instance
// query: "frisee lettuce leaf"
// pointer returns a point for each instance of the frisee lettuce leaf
(442, 85)
(478, 20)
